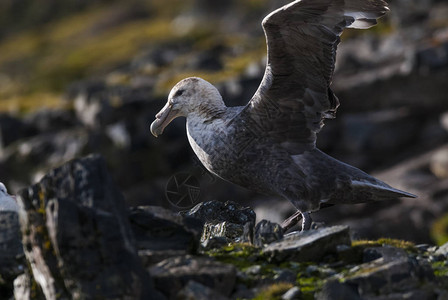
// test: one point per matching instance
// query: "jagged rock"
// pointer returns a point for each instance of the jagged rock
(77, 237)
(215, 212)
(267, 232)
(161, 233)
(222, 220)
(171, 275)
(197, 291)
(311, 245)
(12, 261)
(383, 276)
(228, 231)
(11, 252)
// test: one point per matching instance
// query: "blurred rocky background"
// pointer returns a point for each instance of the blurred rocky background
(83, 77)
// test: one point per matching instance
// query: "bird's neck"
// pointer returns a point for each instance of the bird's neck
(209, 111)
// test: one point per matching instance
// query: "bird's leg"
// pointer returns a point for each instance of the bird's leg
(306, 222)
(291, 221)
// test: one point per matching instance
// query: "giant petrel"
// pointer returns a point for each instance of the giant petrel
(269, 145)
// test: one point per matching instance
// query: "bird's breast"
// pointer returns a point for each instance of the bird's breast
(221, 148)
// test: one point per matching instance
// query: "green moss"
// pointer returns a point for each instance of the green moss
(274, 291)
(440, 268)
(408, 246)
(439, 230)
(240, 255)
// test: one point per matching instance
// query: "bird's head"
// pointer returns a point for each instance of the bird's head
(191, 95)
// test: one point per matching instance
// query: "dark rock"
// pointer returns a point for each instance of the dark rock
(388, 254)
(42, 152)
(335, 290)
(267, 232)
(383, 276)
(311, 245)
(10, 245)
(285, 276)
(159, 232)
(434, 57)
(171, 275)
(12, 263)
(51, 120)
(215, 212)
(223, 220)
(13, 129)
(77, 237)
(411, 295)
(214, 242)
(197, 291)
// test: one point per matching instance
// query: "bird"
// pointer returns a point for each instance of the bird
(7, 202)
(269, 145)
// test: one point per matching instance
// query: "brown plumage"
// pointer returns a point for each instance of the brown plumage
(269, 144)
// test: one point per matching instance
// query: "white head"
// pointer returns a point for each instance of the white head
(191, 95)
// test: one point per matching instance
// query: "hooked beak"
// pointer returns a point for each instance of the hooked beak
(163, 118)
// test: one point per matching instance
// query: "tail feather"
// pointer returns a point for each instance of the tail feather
(382, 191)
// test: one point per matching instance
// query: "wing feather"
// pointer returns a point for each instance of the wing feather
(294, 96)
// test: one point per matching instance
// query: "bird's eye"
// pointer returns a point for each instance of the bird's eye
(179, 93)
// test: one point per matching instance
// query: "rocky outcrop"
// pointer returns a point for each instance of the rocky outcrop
(77, 238)
(80, 240)
(161, 233)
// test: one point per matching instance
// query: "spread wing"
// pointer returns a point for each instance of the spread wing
(294, 96)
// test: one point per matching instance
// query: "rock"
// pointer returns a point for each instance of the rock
(438, 163)
(197, 291)
(443, 250)
(293, 293)
(383, 276)
(229, 231)
(415, 294)
(77, 237)
(311, 245)
(215, 212)
(161, 233)
(335, 290)
(51, 120)
(267, 232)
(11, 248)
(43, 151)
(171, 275)
(12, 261)
(285, 276)
(214, 242)
(223, 220)
(13, 129)
(386, 252)
(92, 111)
(433, 57)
